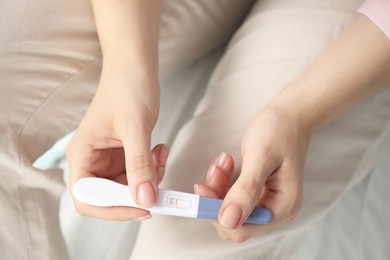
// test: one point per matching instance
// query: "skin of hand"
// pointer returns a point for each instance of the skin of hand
(113, 140)
(273, 156)
(274, 145)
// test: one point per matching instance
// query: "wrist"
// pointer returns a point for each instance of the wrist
(128, 75)
(292, 110)
(129, 67)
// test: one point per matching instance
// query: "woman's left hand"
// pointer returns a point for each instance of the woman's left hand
(275, 142)
(273, 155)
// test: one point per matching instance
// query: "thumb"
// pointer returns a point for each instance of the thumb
(140, 169)
(244, 195)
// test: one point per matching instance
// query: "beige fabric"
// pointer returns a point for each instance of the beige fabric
(276, 42)
(49, 68)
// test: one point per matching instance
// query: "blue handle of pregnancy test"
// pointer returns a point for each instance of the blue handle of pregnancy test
(209, 208)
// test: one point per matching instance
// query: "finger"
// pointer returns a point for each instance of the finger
(244, 195)
(140, 169)
(284, 206)
(220, 173)
(108, 213)
(160, 155)
(205, 191)
(111, 213)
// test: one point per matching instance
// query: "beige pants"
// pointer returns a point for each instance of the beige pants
(49, 68)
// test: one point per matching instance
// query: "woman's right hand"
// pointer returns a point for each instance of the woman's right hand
(113, 141)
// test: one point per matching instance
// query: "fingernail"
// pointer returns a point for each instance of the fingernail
(196, 189)
(146, 195)
(230, 216)
(142, 218)
(222, 160)
(210, 172)
(163, 155)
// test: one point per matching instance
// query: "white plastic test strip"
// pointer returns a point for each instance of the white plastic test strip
(105, 193)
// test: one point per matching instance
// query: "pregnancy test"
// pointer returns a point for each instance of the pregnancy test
(106, 193)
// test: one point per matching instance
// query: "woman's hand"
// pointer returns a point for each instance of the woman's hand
(273, 156)
(274, 145)
(113, 142)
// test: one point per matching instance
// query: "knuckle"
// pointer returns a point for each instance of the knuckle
(252, 187)
(139, 162)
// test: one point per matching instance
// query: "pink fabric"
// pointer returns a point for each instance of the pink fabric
(378, 11)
